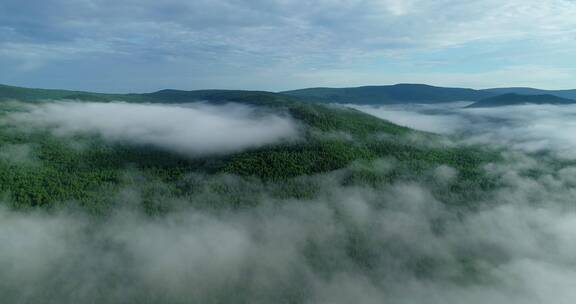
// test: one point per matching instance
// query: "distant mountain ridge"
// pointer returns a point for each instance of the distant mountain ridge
(570, 94)
(371, 95)
(391, 94)
(512, 99)
(162, 96)
(34, 94)
(416, 93)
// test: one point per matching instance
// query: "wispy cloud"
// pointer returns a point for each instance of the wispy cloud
(216, 38)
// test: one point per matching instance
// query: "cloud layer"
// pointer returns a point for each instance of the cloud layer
(285, 44)
(416, 241)
(394, 244)
(192, 130)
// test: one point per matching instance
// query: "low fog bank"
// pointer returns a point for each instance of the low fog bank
(416, 241)
(394, 243)
(529, 128)
(431, 118)
(192, 129)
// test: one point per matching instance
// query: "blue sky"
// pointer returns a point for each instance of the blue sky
(145, 45)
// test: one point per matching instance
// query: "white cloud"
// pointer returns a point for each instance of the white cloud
(192, 129)
(226, 37)
(314, 251)
(413, 118)
(529, 128)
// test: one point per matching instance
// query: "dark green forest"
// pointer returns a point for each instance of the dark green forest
(92, 219)
(79, 170)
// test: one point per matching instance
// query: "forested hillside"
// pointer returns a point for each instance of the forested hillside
(126, 198)
(64, 170)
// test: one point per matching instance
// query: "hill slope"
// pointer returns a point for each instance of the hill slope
(517, 99)
(332, 138)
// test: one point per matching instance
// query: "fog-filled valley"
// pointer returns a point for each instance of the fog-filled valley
(259, 198)
(529, 128)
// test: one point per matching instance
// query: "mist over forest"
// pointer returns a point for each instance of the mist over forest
(528, 128)
(287, 151)
(481, 213)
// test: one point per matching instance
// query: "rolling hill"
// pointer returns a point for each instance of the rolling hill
(333, 138)
(8, 92)
(512, 99)
(569, 94)
(351, 193)
(391, 94)
(387, 94)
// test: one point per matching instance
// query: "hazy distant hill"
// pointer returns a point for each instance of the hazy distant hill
(570, 94)
(518, 99)
(29, 94)
(391, 94)
(162, 96)
(387, 94)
